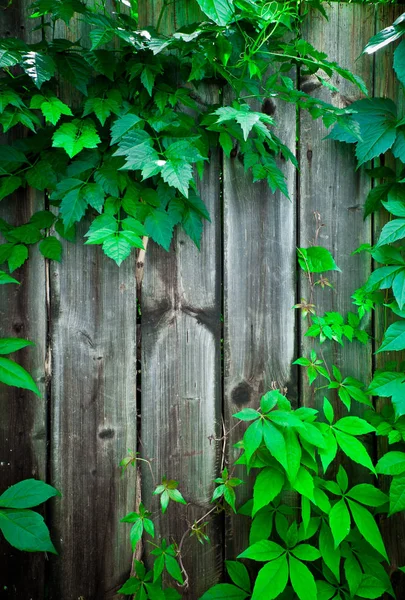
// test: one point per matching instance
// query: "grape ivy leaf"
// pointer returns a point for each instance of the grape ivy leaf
(25, 530)
(178, 173)
(73, 137)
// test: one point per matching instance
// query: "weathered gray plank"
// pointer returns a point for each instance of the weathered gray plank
(386, 86)
(259, 291)
(331, 187)
(181, 401)
(93, 419)
(23, 314)
(181, 371)
(93, 411)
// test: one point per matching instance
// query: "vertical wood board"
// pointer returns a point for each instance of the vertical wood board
(259, 291)
(331, 187)
(23, 314)
(181, 401)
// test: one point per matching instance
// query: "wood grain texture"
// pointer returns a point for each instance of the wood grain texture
(93, 409)
(331, 187)
(386, 86)
(181, 368)
(181, 390)
(93, 420)
(259, 291)
(23, 434)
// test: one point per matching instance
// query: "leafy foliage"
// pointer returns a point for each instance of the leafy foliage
(23, 528)
(135, 139)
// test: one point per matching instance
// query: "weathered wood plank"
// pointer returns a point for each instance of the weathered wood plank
(259, 291)
(386, 86)
(181, 393)
(93, 419)
(181, 370)
(331, 187)
(93, 411)
(23, 314)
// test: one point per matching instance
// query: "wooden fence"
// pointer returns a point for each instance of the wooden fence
(216, 331)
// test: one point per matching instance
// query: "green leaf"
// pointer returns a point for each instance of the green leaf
(13, 374)
(224, 591)
(220, 11)
(226, 143)
(18, 256)
(99, 37)
(159, 226)
(394, 338)
(397, 494)
(371, 587)
(72, 207)
(354, 426)
(51, 248)
(268, 485)
(8, 185)
(239, 574)
(316, 260)
(275, 443)
(263, 551)
(122, 125)
(137, 147)
(386, 36)
(9, 345)
(247, 414)
(101, 107)
(354, 449)
(39, 67)
(27, 493)
(399, 62)
(392, 232)
(306, 552)
(5, 278)
(339, 522)
(73, 137)
(377, 119)
(117, 248)
(271, 580)
(392, 463)
(368, 528)
(25, 530)
(253, 438)
(387, 384)
(329, 553)
(178, 173)
(173, 568)
(368, 494)
(302, 580)
(294, 454)
(51, 107)
(353, 573)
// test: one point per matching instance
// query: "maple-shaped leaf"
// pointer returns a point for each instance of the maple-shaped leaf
(51, 107)
(75, 136)
(101, 107)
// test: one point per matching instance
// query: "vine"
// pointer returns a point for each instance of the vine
(124, 155)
